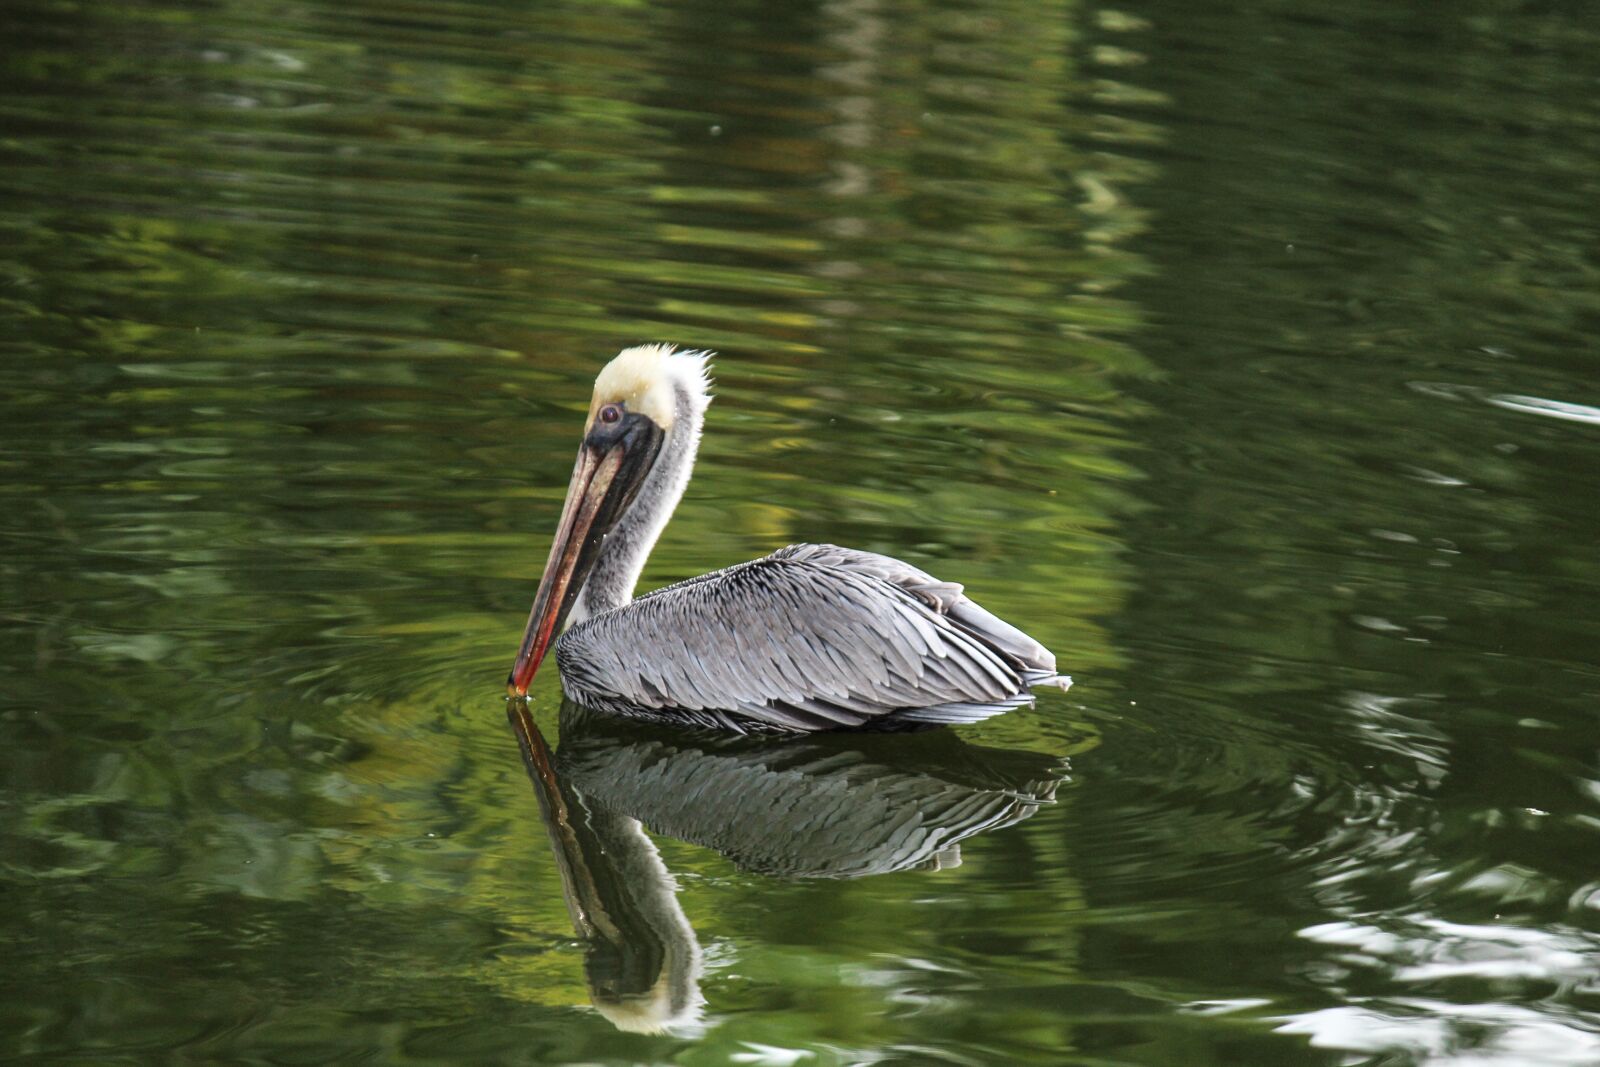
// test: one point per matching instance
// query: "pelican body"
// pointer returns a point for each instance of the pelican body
(812, 637)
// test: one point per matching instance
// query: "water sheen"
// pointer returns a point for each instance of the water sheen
(1243, 353)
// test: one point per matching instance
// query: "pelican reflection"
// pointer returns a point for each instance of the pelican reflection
(822, 806)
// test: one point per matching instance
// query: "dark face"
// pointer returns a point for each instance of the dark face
(617, 453)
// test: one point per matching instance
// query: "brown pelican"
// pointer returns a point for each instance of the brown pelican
(812, 637)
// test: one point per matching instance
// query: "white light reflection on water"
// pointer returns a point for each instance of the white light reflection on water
(1428, 954)
(1554, 409)
(1436, 1032)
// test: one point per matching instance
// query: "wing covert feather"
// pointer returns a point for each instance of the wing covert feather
(811, 637)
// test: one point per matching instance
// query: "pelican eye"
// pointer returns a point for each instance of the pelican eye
(611, 413)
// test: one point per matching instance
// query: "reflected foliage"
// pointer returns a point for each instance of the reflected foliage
(302, 309)
(1242, 353)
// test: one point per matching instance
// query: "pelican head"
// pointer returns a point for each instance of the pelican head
(638, 445)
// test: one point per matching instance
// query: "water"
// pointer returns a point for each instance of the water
(1245, 354)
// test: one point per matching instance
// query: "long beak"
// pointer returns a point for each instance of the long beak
(591, 481)
(604, 481)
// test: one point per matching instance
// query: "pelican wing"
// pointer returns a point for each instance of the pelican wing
(812, 637)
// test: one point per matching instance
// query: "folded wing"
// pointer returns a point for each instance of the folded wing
(812, 637)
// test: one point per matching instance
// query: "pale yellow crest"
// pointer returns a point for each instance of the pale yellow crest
(646, 379)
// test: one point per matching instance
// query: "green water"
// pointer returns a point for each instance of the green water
(1243, 353)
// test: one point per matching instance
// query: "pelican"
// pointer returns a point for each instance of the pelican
(810, 638)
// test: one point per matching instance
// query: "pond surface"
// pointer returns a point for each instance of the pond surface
(1246, 354)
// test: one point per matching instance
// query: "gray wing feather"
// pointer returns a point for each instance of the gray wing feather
(948, 598)
(812, 637)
